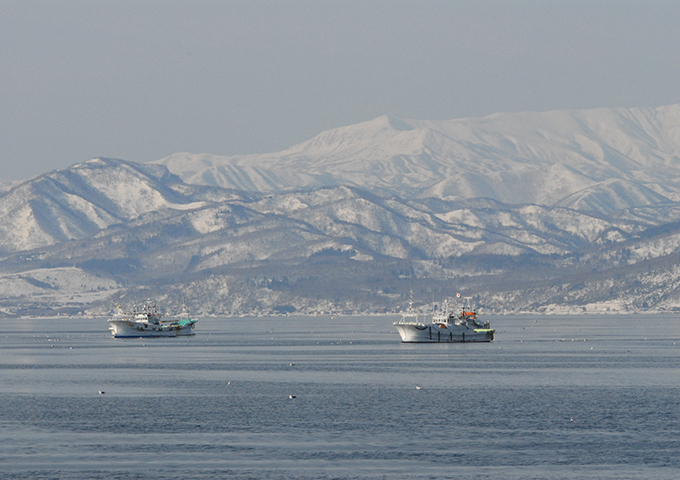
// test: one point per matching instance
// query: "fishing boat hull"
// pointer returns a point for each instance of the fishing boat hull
(127, 328)
(442, 333)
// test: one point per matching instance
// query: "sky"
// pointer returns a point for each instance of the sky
(140, 80)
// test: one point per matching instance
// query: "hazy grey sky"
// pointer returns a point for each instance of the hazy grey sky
(140, 80)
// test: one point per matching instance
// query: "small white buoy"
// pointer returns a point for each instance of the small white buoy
(228, 383)
(292, 396)
(101, 392)
(292, 364)
(418, 388)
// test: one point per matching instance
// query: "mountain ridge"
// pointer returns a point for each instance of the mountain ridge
(529, 157)
(555, 211)
(259, 252)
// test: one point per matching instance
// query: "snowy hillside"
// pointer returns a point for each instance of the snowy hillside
(330, 249)
(80, 201)
(596, 160)
(557, 212)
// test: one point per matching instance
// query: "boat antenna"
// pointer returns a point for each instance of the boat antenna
(184, 306)
(434, 305)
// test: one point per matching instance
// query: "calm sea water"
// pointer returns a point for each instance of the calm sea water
(554, 397)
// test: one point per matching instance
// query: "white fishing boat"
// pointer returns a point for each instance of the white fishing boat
(446, 326)
(147, 321)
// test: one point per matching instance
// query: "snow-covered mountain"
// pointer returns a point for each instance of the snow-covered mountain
(324, 249)
(80, 201)
(86, 202)
(596, 160)
(534, 211)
